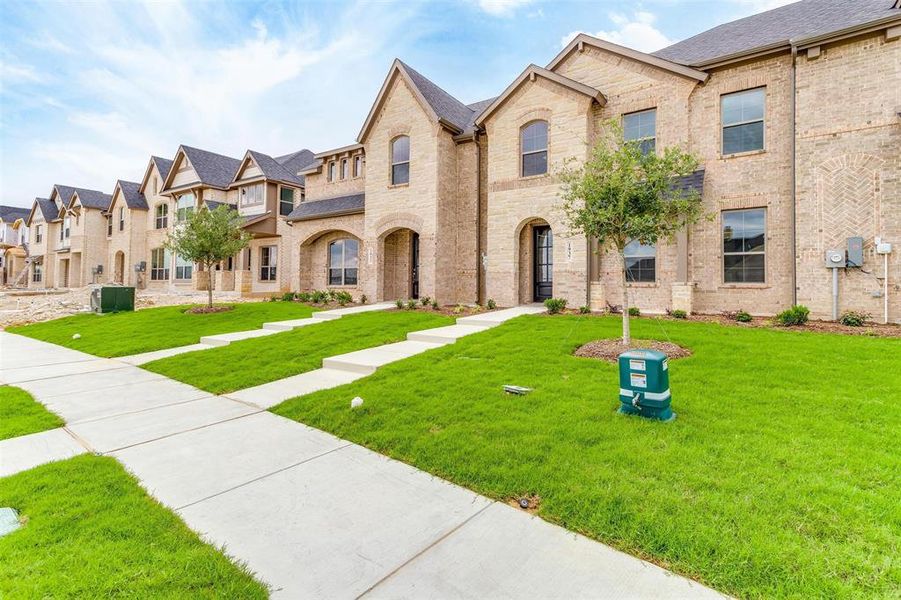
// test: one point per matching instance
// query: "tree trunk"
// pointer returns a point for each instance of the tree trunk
(209, 286)
(627, 334)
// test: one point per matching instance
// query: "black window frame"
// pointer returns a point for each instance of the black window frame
(343, 275)
(285, 207)
(645, 269)
(729, 271)
(743, 124)
(400, 169)
(268, 263)
(533, 152)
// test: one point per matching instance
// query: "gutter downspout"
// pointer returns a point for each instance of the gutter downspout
(794, 159)
(480, 274)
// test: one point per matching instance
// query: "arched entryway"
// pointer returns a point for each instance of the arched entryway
(331, 259)
(401, 264)
(535, 249)
(119, 267)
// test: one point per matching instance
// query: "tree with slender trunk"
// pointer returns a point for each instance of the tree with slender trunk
(623, 194)
(208, 237)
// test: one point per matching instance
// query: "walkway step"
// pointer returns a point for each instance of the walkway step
(224, 339)
(276, 392)
(445, 335)
(367, 361)
(146, 357)
(490, 319)
(292, 324)
(28, 451)
(352, 310)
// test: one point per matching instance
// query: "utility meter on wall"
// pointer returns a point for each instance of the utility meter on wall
(835, 259)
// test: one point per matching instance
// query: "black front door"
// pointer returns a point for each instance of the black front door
(414, 268)
(543, 273)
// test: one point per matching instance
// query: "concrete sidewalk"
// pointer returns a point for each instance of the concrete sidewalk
(311, 514)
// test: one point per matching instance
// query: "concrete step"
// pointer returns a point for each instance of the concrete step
(367, 361)
(276, 392)
(146, 357)
(224, 339)
(351, 310)
(490, 319)
(292, 324)
(445, 335)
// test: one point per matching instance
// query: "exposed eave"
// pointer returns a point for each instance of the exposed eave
(337, 151)
(580, 41)
(532, 72)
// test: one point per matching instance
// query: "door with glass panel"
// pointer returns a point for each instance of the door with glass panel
(543, 272)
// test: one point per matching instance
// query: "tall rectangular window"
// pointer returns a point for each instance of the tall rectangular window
(37, 272)
(268, 262)
(161, 216)
(343, 262)
(641, 261)
(343, 168)
(159, 264)
(358, 165)
(744, 245)
(742, 116)
(400, 160)
(184, 269)
(331, 171)
(533, 148)
(38, 234)
(109, 225)
(641, 127)
(121, 218)
(285, 201)
(184, 206)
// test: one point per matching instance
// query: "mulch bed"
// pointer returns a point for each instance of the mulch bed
(610, 349)
(204, 310)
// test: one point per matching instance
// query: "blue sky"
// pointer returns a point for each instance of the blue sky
(89, 90)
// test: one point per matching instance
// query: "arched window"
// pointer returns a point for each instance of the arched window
(400, 160)
(641, 261)
(533, 144)
(343, 168)
(343, 262)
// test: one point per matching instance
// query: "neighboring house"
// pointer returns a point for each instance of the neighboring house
(126, 235)
(13, 244)
(44, 214)
(81, 251)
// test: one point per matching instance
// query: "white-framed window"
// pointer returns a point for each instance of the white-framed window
(184, 206)
(744, 245)
(184, 269)
(121, 218)
(285, 201)
(161, 216)
(533, 148)
(343, 262)
(38, 233)
(343, 168)
(159, 264)
(400, 160)
(742, 115)
(268, 263)
(641, 261)
(37, 272)
(331, 171)
(358, 165)
(252, 195)
(641, 127)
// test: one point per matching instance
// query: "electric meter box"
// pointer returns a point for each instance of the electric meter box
(855, 252)
(835, 259)
(644, 385)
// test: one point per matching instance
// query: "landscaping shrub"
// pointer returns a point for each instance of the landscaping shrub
(343, 298)
(555, 305)
(796, 315)
(852, 318)
(634, 311)
(743, 317)
(459, 309)
(491, 304)
(584, 310)
(288, 297)
(679, 314)
(435, 305)
(399, 303)
(411, 304)
(363, 299)
(273, 299)
(320, 296)
(304, 296)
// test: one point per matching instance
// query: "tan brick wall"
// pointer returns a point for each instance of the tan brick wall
(318, 186)
(305, 248)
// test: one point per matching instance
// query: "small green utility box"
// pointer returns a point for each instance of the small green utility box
(110, 298)
(644, 385)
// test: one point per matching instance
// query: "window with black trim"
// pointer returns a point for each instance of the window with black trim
(533, 148)
(268, 262)
(641, 127)
(400, 160)
(285, 201)
(744, 245)
(641, 262)
(343, 262)
(742, 115)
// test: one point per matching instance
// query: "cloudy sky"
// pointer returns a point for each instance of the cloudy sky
(89, 90)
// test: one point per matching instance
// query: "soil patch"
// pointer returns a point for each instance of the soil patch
(204, 310)
(530, 503)
(610, 349)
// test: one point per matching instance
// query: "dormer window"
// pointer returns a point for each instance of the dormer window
(343, 168)
(358, 165)
(400, 160)
(331, 171)
(533, 146)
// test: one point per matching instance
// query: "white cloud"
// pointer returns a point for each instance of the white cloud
(17, 73)
(501, 8)
(637, 32)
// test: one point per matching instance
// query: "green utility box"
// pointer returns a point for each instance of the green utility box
(644, 385)
(113, 299)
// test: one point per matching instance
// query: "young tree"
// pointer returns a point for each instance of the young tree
(621, 194)
(208, 237)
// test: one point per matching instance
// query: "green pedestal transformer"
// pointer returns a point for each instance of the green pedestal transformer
(644, 385)
(112, 298)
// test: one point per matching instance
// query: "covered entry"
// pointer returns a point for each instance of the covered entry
(400, 264)
(535, 257)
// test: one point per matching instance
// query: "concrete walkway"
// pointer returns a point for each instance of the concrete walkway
(311, 514)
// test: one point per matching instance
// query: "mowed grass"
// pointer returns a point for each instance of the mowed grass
(780, 478)
(123, 334)
(21, 414)
(91, 532)
(260, 360)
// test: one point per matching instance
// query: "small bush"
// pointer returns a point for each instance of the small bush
(852, 318)
(634, 311)
(411, 304)
(399, 303)
(435, 305)
(491, 304)
(584, 310)
(743, 317)
(679, 314)
(796, 315)
(343, 298)
(288, 297)
(555, 305)
(425, 300)
(319, 296)
(459, 309)
(363, 299)
(273, 299)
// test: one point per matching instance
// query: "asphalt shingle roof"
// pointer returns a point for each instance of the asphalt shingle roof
(445, 106)
(131, 191)
(273, 169)
(328, 207)
(212, 169)
(93, 198)
(296, 161)
(163, 165)
(65, 193)
(9, 214)
(695, 182)
(804, 19)
(48, 209)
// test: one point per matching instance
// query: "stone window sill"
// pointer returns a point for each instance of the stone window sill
(743, 154)
(395, 186)
(745, 286)
(533, 177)
(642, 284)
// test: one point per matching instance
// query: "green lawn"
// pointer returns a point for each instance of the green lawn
(92, 532)
(259, 360)
(780, 478)
(123, 334)
(20, 414)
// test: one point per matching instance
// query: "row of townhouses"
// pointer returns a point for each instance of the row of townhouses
(795, 115)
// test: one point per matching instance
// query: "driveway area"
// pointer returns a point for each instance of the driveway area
(311, 514)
